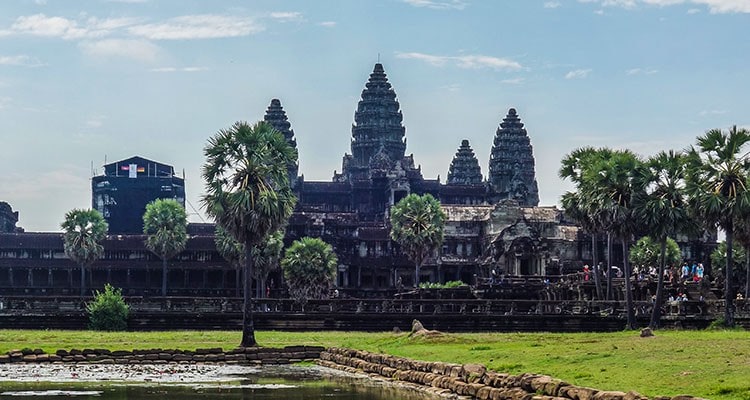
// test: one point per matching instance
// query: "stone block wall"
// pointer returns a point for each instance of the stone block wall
(471, 380)
(247, 356)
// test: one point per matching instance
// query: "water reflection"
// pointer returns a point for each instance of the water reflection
(277, 383)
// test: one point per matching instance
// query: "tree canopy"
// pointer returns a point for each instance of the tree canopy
(309, 267)
(165, 227)
(417, 225)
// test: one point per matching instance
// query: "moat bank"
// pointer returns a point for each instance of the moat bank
(440, 379)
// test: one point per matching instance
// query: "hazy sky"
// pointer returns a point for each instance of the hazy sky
(85, 81)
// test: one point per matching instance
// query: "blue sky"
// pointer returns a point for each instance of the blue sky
(81, 81)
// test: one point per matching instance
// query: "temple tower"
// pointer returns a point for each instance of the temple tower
(276, 116)
(464, 169)
(512, 173)
(377, 132)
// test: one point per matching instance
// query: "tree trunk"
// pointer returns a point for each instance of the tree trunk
(83, 280)
(237, 275)
(609, 266)
(747, 274)
(659, 300)
(164, 276)
(628, 288)
(416, 274)
(248, 329)
(595, 267)
(728, 299)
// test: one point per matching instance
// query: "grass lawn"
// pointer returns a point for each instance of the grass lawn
(711, 364)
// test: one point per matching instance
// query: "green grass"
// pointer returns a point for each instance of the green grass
(711, 364)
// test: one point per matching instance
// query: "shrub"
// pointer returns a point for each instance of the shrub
(108, 311)
(446, 285)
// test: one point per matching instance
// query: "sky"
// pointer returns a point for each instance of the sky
(84, 82)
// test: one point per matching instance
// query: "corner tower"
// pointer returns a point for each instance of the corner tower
(464, 169)
(512, 173)
(276, 117)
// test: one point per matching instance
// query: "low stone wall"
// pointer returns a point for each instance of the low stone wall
(471, 380)
(247, 356)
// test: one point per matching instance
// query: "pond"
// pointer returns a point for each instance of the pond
(160, 382)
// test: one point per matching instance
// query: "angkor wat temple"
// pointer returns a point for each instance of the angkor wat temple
(494, 223)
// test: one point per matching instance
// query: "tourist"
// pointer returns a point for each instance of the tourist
(685, 272)
(699, 271)
(586, 272)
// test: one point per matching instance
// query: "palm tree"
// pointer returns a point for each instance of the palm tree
(662, 210)
(248, 193)
(579, 205)
(417, 225)
(309, 267)
(614, 187)
(742, 232)
(83, 230)
(233, 252)
(165, 224)
(267, 255)
(574, 208)
(718, 188)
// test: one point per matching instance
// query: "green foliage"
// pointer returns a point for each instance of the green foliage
(165, 224)
(247, 184)
(229, 248)
(646, 252)
(83, 230)
(309, 267)
(446, 285)
(417, 225)
(719, 258)
(108, 311)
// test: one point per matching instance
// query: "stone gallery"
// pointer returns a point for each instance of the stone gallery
(494, 223)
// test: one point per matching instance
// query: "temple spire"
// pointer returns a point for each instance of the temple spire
(377, 126)
(464, 169)
(512, 173)
(276, 117)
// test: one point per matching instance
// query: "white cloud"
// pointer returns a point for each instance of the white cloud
(4, 102)
(65, 28)
(578, 74)
(714, 6)
(712, 112)
(96, 121)
(552, 4)
(21, 61)
(42, 25)
(467, 61)
(438, 4)
(453, 87)
(205, 26)
(693, 11)
(183, 69)
(641, 71)
(287, 16)
(514, 81)
(140, 50)
(327, 24)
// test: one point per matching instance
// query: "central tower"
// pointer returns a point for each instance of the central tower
(377, 133)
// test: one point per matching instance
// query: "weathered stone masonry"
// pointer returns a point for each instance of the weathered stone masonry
(472, 380)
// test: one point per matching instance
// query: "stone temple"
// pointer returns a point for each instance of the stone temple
(494, 220)
(493, 224)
